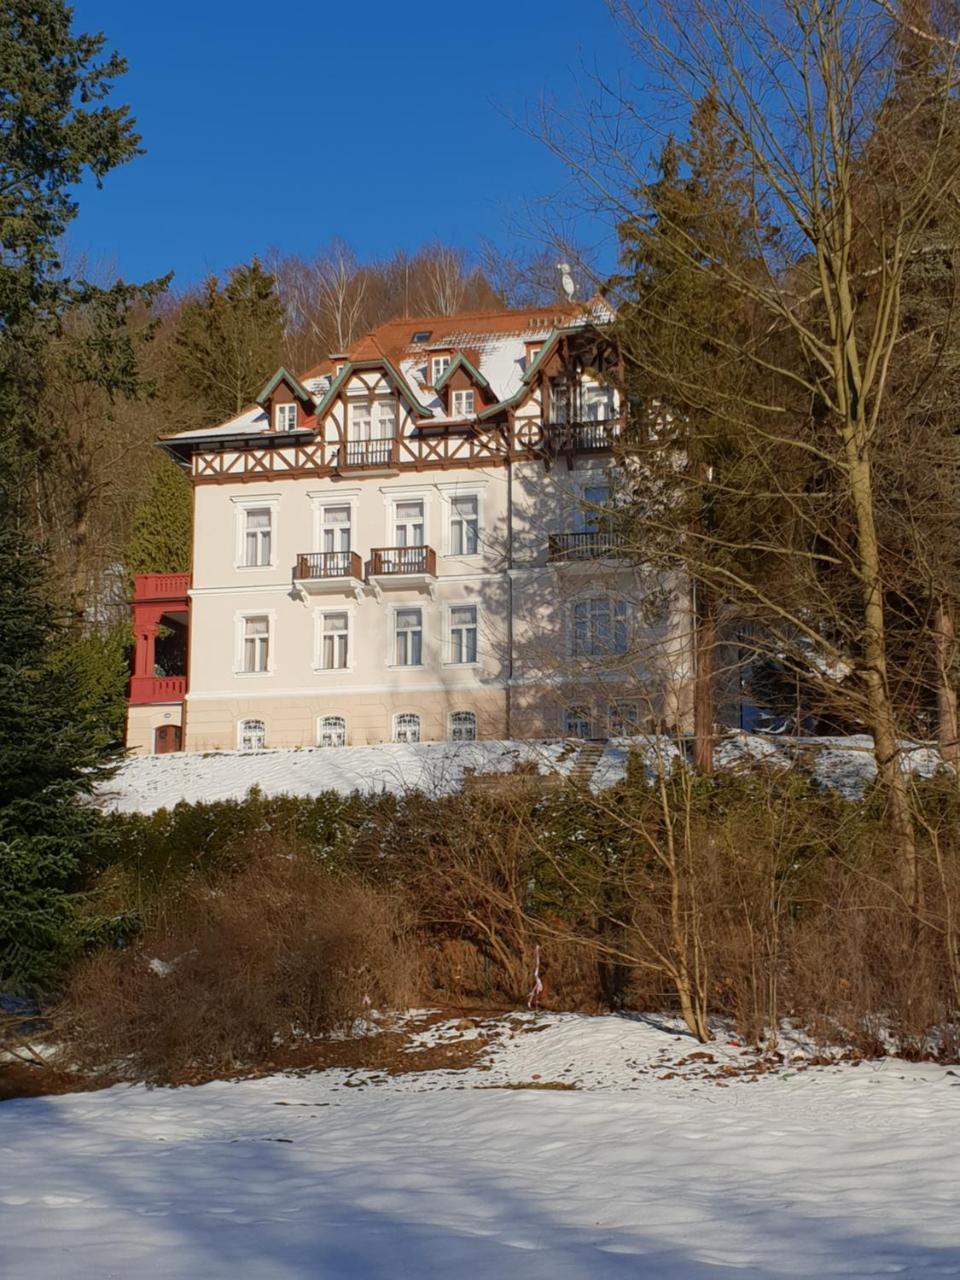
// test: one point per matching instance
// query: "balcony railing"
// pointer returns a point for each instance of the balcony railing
(584, 437)
(593, 544)
(316, 565)
(367, 453)
(389, 561)
(146, 689)
(160, 586)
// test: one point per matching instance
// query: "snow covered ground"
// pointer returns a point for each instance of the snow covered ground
(657, 1165)
(147, 783)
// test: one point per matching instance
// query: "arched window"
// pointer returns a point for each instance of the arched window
(462, 726)
(331, 731)
(406, 727)
(251, 735)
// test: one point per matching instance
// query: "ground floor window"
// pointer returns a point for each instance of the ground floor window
(251, 735)
(462, 726)
(623, 719)
(578, 723)
(406, 727)
(331, 731)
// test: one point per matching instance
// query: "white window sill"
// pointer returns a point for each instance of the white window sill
(332, 671)
(252, 568)
(252, 675)
(468, 665)
(407, 666)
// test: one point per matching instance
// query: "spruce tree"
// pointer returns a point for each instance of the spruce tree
(161, 540)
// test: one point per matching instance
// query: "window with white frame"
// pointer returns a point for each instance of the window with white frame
(408, 637)
(251, 735)
(255, 644)
(408, 524)
(599, 627)
(463, 633)
(462, 726)
(597, 401)
(623, 719)
(463, 403)
(591, 514)
(335, 537)
(361, 420)
(559, 400)
(438, 367)
(285, 417)
(406, 727)
(578, 723)
(464, 525)
(331, 731)
(334, 640)
(257, 537)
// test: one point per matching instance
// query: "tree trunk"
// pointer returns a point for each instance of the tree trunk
(945, 643)
(705, 640)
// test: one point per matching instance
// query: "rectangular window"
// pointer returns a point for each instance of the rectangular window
(334, 635)
(438, 367)
(408, 637)
(386, 419)
(463, 402)
(578, 723)
(623, 719)
(256, 644)
(597, 402)
(463, 633)
(559, 400)
(599, 627)
(408, 524)
(285, 417)
(361, 420)
(335, 535)
(464, 526)
(257, 537)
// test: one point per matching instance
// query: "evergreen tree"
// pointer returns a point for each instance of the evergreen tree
(228, 342)
(161, 541)
(51, 757)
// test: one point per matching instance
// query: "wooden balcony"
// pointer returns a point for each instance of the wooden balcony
(319, 571)
(592, 544)
(368, 455)
(584, 437)
(160, 586)
(147, 689)
(402, 565)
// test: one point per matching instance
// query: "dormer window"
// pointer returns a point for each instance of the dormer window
(463, 403)
(438, 367)
(285, 417)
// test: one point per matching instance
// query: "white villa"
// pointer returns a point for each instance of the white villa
(407, 543)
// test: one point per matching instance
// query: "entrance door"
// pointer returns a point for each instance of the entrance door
(166, 737)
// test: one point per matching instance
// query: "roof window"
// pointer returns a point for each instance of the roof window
(422, 335)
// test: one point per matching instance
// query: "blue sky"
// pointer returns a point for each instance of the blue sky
(282, 126)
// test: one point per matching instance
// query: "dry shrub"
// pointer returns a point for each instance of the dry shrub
(281, 950)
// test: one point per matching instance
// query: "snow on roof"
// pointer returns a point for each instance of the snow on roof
(250, 422)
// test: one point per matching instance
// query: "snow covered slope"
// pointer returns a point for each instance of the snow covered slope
(639, 1172)
(146, 783)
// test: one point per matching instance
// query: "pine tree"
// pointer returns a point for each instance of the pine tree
(228, 341)
(161, 541)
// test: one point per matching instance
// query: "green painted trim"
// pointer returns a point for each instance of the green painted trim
(394, 376)
(460, 361)
(284, 375)
(549, 343)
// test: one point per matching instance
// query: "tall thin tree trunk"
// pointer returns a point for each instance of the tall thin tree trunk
(945, 647)
(705, 642)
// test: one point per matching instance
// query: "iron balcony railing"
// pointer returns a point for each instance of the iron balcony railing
(367, 453)
(313, 565)
(593, 544)
(385, 561)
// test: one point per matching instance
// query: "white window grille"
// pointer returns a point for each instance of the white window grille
(334, 636)
(599, 627)
(462, 726)
(463, 403)
(256, 644)
(335, 529)
(464, 526)
(406, 727)
(578, 723)
(332, 731)
(408, 637)
(438, 367)
(251, 735)
(257, 537)
(361, 420)
(285, 417)
(408, 524)
(386, 419)
(597, 401)
(463, 633)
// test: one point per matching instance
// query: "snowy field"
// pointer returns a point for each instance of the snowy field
(146, 783)
(657, 1165)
